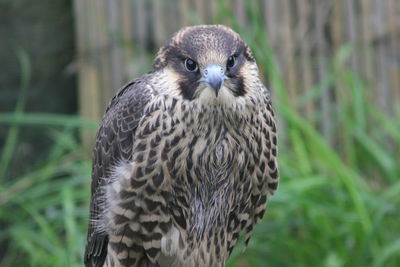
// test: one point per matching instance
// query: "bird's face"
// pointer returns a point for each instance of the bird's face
(207, 63)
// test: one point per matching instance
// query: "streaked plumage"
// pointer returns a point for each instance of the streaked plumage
(185, 157)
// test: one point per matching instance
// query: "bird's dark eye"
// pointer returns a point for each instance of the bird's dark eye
(191, 65)
(231, 62)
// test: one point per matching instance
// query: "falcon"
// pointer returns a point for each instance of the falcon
(185, 157)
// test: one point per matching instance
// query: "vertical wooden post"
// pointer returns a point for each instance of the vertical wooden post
(321, 14)
(382, 92)
(394, 43)
(288, 54)
(366, 39)
(304, 71)
(160, 23)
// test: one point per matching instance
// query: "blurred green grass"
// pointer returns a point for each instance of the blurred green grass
(337, 205)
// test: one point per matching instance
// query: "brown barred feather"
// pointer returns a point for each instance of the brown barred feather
(178, 176)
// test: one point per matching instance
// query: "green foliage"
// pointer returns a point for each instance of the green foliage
(337, 205)
(44, 212)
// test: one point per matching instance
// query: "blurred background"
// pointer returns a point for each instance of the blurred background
(334, 71)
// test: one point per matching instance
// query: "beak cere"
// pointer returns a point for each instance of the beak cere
(214, 76)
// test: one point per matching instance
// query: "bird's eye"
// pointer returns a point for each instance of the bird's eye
(231, 62)
(191, 65)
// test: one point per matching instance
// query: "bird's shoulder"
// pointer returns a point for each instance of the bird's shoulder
(117, 130)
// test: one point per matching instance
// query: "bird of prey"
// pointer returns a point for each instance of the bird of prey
(185, 157)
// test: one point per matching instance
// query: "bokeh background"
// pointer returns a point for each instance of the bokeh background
(334, 71)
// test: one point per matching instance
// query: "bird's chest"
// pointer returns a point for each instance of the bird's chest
(207, 192)
(206, 173)
(210, 154)
(187, 182)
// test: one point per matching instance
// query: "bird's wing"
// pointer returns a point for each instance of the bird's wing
(267, 178)
(113, 144)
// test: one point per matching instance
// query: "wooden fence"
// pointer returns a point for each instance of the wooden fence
(117, 38)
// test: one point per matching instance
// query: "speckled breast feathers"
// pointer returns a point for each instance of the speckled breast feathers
(183, 161)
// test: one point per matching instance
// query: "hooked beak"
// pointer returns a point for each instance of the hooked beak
(213, 76)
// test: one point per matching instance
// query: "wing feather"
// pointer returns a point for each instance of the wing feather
(114, 143)
(267, 175)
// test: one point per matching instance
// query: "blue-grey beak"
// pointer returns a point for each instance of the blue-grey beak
(214, 76)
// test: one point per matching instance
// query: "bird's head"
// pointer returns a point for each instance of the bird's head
(207, 63)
